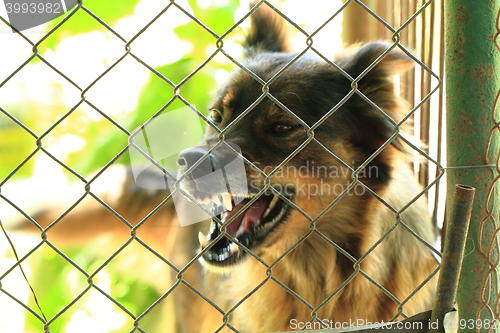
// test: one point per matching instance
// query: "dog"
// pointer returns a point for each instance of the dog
(278, 255)
(304, 237)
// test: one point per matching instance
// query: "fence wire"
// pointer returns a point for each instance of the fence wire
(427, 91)
(489, 227)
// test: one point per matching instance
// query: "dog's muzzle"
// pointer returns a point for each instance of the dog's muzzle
(217, 179)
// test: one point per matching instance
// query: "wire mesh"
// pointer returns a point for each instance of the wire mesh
(394, 30)
(489, 311)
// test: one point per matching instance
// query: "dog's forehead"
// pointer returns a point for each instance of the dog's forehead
(243, 88)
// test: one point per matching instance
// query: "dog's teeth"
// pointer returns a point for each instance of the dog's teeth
(213, 226)
(241, 229)
(257, 223)
(273, 202)
(226, 201)
(229, 202)
(280, 215)
(223, 202)
(216, 199)
(271, 206)
(233, 248)
(223, 256)
(202, 239)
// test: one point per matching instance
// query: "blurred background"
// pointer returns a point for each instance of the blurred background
(91, 132)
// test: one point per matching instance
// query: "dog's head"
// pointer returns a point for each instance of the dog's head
(300, 109)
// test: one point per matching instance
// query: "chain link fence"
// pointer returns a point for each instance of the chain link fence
(489, 224)
(393, 30)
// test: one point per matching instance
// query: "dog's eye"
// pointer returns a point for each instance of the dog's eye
(282, 128)
(215, 116)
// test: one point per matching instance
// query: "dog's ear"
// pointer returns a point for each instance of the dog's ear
(266, 34)
(377, 84)
(394, 62)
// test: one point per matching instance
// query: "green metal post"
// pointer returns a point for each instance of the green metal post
(472, 82)
(453, 253)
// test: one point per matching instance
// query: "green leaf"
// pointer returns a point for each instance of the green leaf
(82, 22)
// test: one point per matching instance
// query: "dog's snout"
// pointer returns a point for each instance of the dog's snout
(189, 157)
(219, 158)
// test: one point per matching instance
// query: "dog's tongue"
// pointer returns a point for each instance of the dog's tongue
(248, 217)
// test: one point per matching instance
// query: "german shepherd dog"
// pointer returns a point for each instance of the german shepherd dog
(279, 253)
(307, 235)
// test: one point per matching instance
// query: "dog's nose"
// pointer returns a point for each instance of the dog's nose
(188, 157)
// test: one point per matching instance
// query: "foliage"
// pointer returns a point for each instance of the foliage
(102, 140)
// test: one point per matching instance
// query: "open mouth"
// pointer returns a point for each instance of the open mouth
(250, 227)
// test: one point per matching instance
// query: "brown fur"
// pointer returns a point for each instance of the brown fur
(315, 269)
(320, 273)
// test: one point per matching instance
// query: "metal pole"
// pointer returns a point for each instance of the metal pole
(472, 81)
(457, 224)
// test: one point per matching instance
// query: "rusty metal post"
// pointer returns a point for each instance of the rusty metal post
(457, 225)
(472, 81)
